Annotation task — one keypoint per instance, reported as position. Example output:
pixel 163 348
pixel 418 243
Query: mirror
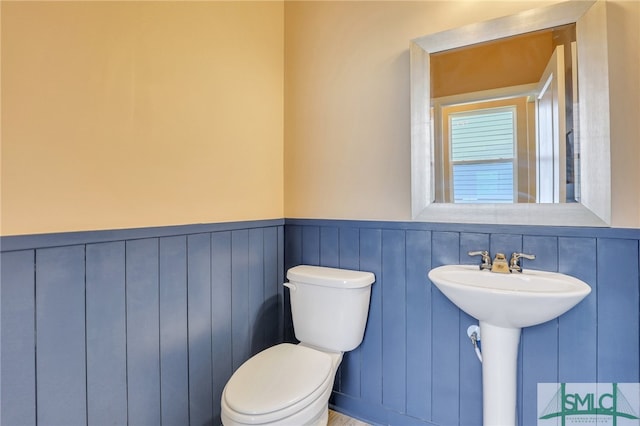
pixel 503 120
pixel 577 188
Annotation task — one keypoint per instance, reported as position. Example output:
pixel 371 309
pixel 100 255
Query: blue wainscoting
pixel 144 327
pixel 416 365
pixel 139 327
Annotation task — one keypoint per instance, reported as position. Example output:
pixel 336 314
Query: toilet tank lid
pixel 330 277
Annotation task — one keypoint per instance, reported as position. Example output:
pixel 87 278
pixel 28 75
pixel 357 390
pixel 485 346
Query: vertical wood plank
pixel 329 247
pixel 293 246
pixel 539 344
pixel 293 257
pixel 281 271
pixel 371 260
pixel 106 334
pixel 348 377
pixel 60 341
pixel 470 367
pixel 143 331
pixel 394 325
pixel 470 376
pixel 544 248
pixel 17 349
pixel 240 321
pixel 255 266
pixel 349 248
pixel 418 373
pixel 618 301
pixel 577 347
pixel 445 249
pixel 199 326
pixel 505 243
pixel 174 359
pixel 471 241
pixel 272 305
pixel 221 294
pixel 311 245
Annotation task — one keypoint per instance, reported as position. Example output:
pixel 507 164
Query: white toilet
pixel 290 384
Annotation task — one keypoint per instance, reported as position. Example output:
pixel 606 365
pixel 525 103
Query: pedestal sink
pixel 504 303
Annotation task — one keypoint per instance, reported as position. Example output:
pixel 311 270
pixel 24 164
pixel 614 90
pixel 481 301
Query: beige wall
pixel 135 114
pixel 125 114
pixel 624 72
pixel 347 118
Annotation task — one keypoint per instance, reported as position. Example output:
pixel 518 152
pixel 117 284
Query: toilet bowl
pixel 291 384
pixel 284 385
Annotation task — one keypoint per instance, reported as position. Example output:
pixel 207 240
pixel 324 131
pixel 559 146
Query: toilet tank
pixel 329 306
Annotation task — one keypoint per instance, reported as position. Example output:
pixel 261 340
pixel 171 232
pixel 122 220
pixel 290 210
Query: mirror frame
pixel 594 208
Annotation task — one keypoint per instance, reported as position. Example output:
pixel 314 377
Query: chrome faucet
pixel 499 263
pixel 486 258
pixel 514 263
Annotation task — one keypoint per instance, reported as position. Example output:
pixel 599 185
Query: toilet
pixel 291 384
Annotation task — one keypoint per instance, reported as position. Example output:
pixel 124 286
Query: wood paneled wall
pixel 138 329
pixel 417 365
pixel 144 327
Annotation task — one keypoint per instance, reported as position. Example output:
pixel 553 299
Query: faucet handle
pixel 486 258
pixel 514 263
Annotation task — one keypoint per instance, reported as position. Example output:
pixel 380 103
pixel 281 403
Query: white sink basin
pixel 512 300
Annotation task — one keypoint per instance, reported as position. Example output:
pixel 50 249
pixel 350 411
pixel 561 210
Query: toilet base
pixel 300 418
pixel 324 418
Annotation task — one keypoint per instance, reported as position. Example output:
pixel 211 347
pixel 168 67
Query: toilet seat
pixel 277 383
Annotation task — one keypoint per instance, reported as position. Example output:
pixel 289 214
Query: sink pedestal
pixel 504 304
pixel 499 374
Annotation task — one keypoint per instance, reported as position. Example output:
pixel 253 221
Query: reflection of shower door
pixel 551 171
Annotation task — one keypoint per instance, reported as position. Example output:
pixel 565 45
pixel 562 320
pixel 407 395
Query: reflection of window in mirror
pixel 535 160
pixel 488 143
pixel 482 150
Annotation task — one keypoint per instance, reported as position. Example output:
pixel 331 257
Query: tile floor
pixel 338 419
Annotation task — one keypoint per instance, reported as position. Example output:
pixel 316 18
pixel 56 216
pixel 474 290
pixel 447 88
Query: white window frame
pixel 495 160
